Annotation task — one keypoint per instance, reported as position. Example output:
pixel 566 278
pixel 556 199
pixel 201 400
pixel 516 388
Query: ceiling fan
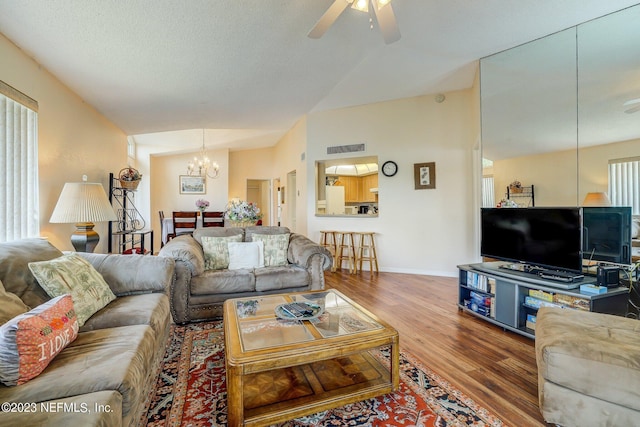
pixel 381 8
pixel 635 108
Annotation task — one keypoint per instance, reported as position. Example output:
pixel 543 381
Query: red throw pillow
pixel 30 341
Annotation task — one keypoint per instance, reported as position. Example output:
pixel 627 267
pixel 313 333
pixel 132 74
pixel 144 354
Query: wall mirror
pixel 553 111
pixel 608 121
pixel 347 186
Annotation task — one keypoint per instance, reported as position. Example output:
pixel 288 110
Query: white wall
pixel 73 139
pixel 418 231
pixel 289 154
pixel 164 179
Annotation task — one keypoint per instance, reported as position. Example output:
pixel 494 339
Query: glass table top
pixel 260 328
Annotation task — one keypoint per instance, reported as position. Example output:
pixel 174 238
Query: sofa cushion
pixel 133 274
pixel 246 255
pixel 16 277
pixel 275 248
pixel 223 282
pixel 72 274
pixel 216 251
pixel 217 232
pixel 117 359
pixel 284 277
pixel 263 229
pixel 10 305
pixel 30 341
pixel 143 309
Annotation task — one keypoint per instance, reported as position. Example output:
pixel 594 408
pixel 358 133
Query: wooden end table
pixel 278 369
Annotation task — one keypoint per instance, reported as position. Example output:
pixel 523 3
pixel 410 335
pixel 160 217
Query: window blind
pixel 19 210
pixel 624 183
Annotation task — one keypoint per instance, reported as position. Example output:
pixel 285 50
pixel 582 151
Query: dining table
pixel 167 228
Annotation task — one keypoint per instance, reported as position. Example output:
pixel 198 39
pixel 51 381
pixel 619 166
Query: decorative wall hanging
pixel 193 184
pixel 424 175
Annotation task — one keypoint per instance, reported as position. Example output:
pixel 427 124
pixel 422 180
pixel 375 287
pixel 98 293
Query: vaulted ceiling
pixel 246 70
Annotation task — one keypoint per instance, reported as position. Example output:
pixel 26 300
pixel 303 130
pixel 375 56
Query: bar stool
pixel 367 241
pixel 329 240
pixel 347 242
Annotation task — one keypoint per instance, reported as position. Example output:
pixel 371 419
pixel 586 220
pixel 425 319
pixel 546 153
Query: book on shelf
pixel 572 302
pixel 537 303
pixel 481 282
pixel 540 294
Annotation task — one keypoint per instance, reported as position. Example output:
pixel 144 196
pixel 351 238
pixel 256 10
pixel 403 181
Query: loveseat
pixel 104 376
pixel 292 263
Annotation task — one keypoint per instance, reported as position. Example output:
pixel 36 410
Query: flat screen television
pixel 541 237
pixel 606 234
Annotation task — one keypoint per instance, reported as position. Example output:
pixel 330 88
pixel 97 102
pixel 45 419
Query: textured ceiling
pixel 246 70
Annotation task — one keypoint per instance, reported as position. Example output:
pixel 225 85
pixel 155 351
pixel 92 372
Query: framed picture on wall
pixel 424 175
pixel 193 184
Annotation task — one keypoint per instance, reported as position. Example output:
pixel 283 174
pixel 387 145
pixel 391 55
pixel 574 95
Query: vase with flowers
pixel 240 213
pixel 202 204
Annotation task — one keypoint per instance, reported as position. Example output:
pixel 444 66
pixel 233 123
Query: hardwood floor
pixel 494 367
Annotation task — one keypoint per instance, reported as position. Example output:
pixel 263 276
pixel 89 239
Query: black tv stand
pixel 545 273
pixel 510 298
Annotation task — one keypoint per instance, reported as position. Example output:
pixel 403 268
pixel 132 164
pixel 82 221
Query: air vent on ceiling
pixel 351 148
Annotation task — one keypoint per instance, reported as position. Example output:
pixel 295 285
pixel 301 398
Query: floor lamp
pixel 83 203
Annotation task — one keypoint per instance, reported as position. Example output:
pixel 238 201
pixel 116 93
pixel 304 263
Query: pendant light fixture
pixel 203 166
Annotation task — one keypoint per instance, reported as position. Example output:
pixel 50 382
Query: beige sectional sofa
pixel 198 293
pixel 104 376
pixel 588 368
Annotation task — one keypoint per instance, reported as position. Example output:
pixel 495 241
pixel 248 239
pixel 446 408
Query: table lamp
pixel 83 203
pixel 596 199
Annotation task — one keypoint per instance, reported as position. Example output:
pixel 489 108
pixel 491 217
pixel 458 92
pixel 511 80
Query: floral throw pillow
pixel 275 248
pixel 72 274
pixel 30 341
pixel 216 251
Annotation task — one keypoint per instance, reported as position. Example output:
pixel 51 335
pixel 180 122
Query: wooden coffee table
pixel 278 370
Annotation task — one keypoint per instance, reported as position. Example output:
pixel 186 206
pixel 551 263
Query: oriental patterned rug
pixel 190 391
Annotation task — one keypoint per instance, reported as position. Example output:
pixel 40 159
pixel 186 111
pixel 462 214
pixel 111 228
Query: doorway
pixel 259 193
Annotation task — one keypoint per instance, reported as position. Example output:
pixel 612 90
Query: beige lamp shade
pixel 596 199
pixel 83 203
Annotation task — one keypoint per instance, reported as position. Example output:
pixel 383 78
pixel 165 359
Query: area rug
pixel 190 391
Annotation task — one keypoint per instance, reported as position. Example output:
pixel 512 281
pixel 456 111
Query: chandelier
pixel 202 166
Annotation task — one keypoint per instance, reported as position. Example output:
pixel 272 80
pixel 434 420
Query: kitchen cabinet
pixel 357 189
pixel 351 186
pixel 367 183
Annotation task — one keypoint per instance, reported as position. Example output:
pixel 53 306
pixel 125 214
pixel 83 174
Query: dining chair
pixel 184 222
pixel 169 235
pixel 212 219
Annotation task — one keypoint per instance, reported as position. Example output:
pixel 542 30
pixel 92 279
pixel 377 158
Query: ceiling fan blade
pixel 329 17
pixel 387 22
pixel 633 109
pixel 631 102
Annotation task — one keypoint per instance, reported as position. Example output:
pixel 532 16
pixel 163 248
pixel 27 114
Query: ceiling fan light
pixel 361 5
